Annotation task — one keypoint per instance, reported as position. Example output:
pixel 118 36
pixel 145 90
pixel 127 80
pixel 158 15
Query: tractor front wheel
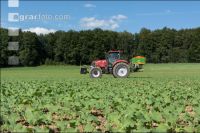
pixel 121 70
pixel 96 72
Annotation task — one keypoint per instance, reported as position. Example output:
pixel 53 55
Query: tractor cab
pixel 112 56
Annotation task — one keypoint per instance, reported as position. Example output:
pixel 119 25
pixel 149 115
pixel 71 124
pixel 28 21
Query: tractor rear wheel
pixel 96 72
pixel 121 70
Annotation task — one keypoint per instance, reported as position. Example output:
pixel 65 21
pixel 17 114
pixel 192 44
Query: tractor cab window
pixel 112 57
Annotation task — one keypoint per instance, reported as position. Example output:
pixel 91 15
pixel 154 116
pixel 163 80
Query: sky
pixel 128 16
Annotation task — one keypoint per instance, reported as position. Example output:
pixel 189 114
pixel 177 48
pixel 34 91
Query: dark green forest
pixel 81 47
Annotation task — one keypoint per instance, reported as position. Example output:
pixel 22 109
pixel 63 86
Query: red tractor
pixel 115 65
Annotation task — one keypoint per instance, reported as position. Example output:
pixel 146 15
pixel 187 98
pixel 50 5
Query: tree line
pixel 82 47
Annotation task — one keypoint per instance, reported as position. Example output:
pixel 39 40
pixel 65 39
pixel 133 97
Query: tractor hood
pixel 101 63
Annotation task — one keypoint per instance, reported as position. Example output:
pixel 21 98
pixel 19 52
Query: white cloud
pixel 111 23
pixel 119 17
pixel 89 5
pixel 162 13
pixel 40 30
pixel 168 11
pixel 93 22
pixel 114 26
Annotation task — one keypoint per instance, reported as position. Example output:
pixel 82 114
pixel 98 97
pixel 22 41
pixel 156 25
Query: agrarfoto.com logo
pixel 15 17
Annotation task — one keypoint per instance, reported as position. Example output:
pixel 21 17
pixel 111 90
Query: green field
pixel 164 97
